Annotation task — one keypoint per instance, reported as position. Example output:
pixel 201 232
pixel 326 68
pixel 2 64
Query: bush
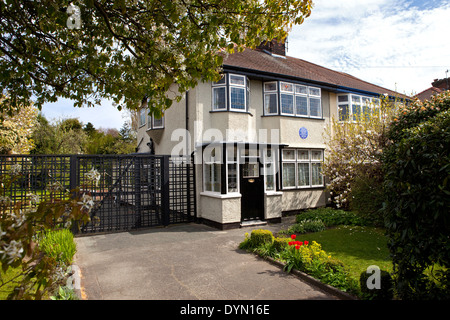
pixel 331 217
pixel 386 291
pixel 59 244
pixel 368 197
pixel 280 244
pixel 260 237
pixel 417 191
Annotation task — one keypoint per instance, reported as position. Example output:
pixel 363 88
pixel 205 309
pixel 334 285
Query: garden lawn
pixel 357 247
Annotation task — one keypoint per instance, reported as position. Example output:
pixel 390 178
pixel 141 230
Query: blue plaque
pixel 303 133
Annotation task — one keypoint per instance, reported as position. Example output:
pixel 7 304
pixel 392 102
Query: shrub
pixel 331 217
pixel 386 291
pixel 417 189
pixel 59 244
pixel 260 236
pixel 280 244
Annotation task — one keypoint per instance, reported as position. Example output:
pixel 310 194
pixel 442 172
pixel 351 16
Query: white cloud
pixel 400 45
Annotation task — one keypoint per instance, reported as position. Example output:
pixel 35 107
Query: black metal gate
pixel 123 192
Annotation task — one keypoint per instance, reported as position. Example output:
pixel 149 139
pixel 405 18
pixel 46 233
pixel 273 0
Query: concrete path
pixel 187 262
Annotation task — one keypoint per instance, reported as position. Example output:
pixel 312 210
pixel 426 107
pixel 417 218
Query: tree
pixel 124 50
pixel 16 129
pixel 352 162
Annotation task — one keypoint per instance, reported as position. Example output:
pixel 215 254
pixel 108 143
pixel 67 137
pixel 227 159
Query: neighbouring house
pixel 437 87
pixel 257 134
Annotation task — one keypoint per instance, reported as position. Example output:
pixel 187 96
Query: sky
pixel 402 45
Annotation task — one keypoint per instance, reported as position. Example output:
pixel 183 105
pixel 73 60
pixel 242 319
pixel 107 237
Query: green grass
pixel 357 247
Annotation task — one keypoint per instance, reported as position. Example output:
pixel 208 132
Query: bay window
pixel 294 99
pixel 302 168
pixel 352 107
pixel 231 93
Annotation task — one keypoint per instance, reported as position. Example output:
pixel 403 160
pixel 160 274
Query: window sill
pixel 234 111
pixel 274 193
pixel 292 116
pixel 303 188
pixel 219 195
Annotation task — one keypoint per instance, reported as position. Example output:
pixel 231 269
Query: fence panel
pixel 127 191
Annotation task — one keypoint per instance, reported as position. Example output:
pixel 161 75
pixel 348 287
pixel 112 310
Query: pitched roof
pixel 428 93
pixel 263 63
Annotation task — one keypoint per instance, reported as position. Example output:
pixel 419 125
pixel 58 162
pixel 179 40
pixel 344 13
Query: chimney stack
pixel 274 47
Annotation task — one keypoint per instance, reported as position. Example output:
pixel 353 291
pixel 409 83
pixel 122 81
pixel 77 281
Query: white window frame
pixel 234 161
pixel 296 161
pixel 143 117
pixel 293 90
pixel 151 123
pixel 221 84
pixel 212 161
pixel 226 84
pixel 268 92
pixel 243 87
pixel 269 160
pixel 361 101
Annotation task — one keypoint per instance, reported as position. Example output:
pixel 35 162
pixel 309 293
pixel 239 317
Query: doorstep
pixel 253 223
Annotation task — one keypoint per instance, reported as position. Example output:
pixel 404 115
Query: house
pixel 437 87
pixel 257 134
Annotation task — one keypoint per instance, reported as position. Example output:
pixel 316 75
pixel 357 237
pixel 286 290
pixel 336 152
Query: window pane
pixel 158 123
pixel 288 174
pixel 142 116
pixel 301 89
pixel 286 87
pixel 270 185
pixel 221 81
pixel 301 105
pixel 270 86
pixel 303 155
pixel 270 103
pixel 356 99
pixel 288 154
pixel 367 112
pixel 237 98
pixel 343 98
pixel 238 80
pixel 303 174
pixel 316 155
pixel 287 103
pixel 365 101
pixel 314 91
pixel 212 177
pixel 343 112
pixel 316 174
pixel 356 110
pixel 219 100
pixel 250 170
pixel 314 107
pixel 232 177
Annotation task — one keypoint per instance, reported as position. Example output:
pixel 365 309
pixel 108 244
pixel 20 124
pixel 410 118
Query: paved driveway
pixel 188 262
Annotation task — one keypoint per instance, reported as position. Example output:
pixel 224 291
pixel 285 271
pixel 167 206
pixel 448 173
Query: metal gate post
pixel 137 191
pixel 165 190
pixel 73 184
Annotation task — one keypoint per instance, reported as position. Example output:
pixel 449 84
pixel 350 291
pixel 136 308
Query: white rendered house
pixel 257 134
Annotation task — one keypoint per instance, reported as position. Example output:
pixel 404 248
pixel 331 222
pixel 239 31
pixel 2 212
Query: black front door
pixel 252 191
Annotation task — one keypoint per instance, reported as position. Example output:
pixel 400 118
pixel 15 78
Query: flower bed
pixel 305 256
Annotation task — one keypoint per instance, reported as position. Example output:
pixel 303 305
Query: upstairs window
pixel 231 93
pixel 352 107
pixel 294 99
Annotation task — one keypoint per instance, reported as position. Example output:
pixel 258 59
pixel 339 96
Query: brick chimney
pixel 274 47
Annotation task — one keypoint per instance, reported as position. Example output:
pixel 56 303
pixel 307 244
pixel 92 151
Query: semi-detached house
pixel 257 134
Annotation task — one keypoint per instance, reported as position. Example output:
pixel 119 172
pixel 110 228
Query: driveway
pixel 186 262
